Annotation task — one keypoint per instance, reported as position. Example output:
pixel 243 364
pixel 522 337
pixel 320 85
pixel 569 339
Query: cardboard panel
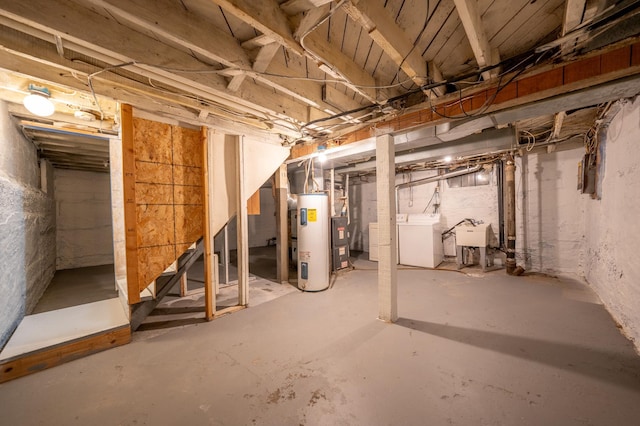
pixel 155 225
pixel 188 223
pixel 153 172
pixel 187 147
pixel 152 141
pixel 186 175
pixel 152 261
pixel 188 194
pixel 153 193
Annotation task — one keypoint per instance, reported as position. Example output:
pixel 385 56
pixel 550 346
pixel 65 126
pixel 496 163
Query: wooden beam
pixel 109 41
pixel 472 23
pixel 129 190
pixel 293 7
pixel 386 33
pixel 17 57
pixel 616 64
pixel 573 13
pixel 282 230
pixel 266 16
pixel 45 358
pixel 436 76
pixel 209 293
pixel 170 21
pixel 242 225
pixel 387 262
pixel 339 65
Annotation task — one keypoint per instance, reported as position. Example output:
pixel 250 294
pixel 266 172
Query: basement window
pixel 482 177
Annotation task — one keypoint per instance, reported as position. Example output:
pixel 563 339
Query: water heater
pixel 313 242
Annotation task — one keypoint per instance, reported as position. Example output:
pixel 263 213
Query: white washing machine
pixel 420 241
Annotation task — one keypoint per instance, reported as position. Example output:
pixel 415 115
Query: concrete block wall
pixel 27 228
pixel 84 234
pixel 612 228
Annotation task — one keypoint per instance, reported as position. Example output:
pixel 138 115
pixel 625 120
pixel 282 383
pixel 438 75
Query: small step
pixel 51 338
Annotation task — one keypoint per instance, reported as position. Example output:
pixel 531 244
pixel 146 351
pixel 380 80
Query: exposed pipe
pixel 510 173
pixel 500 179
pixel 433 179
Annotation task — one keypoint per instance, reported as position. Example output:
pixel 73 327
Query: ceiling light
pixel 447 159
pixel 322 157
pixel 38 102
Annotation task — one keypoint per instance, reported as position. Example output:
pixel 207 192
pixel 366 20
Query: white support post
pixel 387 270
pixel 243 228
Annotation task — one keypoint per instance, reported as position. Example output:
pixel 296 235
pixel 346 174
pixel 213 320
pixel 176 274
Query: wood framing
pixel 129 192
pixel 164 201
pixel 209 293
pixel 242 223
pixel 390 37
pixel 282 230
pixel 535 85
pixel 472 23
pixel 42 359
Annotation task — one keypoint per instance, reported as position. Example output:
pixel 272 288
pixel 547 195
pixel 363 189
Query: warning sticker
pixel 304 256
pixel 341 233
pixel 342 251
pixel 312 215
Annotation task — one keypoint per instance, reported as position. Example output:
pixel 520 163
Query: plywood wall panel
pixel 155 225
pixel 187 194
pixel 187 147
pixel 166 200
pixel 154 193
pixel 152 141
pixel 153 172
pixel 186 175
pixel 188 223
pixel 153 262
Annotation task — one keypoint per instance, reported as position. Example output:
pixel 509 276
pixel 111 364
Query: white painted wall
pixel 84 234
pixel 550 213
pixel 612 228
pixel 479 203
pixel 261 227
pixel 27 228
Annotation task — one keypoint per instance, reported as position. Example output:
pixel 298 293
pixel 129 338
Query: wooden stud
pixel 209 293
pixel 242 226
pixel 184 287
pixel 129 191
pixel 282 230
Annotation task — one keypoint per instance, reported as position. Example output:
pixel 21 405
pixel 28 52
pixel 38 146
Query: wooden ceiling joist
pixel 386 33
pixel 109 39
pixel 265 16
pixel 472 23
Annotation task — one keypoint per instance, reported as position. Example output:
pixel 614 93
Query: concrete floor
pixel 480 349
pixel 72 287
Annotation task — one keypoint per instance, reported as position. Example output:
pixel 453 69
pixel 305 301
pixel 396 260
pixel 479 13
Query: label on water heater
pixel 304 256
pixel 303 217
pixel 312 215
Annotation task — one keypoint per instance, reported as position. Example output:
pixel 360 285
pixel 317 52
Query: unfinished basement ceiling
pixel 287 66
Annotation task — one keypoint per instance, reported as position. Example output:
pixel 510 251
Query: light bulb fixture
pixel 320 153
pixel 38 102
pixel 447 159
